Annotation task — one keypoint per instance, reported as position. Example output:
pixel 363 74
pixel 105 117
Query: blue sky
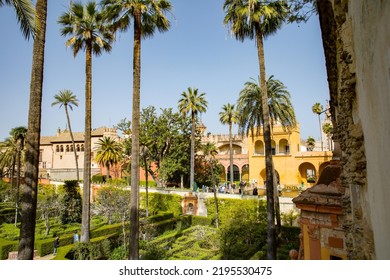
pixel 197 52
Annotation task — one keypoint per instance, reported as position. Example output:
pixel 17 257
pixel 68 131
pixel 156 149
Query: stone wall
pixel 356 42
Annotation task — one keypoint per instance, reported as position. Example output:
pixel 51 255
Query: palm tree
pixel 310 143
pixel 108 153
pixel 18 135
pixel 259 19
pixel 210 151
pixel 318 109
pixel 250 107
pixel 88 30
pixel 8 157
pixel 31 170
pixel 192 103
pixel 251 112
pixel 228 115
pixel 147 16
pixel 67 99
pixel 25 14
pixel 327 128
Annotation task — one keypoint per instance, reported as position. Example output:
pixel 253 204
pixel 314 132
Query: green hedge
pixel 6 247
pixel 160 217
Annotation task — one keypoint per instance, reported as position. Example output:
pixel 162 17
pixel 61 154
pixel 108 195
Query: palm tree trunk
pixel 86 215
pixel 214 187
pixel 134 200
pixel 29 198
pixel 146 187
pixel 231 154
pixel 192 160
pixel 319 122
pixel 108 172
pixel 277 205
pixel 74 145
pixel 17 181
pixel 271 240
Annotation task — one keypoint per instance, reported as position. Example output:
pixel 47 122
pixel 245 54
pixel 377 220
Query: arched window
pixel 259 147
pixel 284 148
pixel 67 148
pixel 71 148
pixel 82 147
pixel 57 148
pixel 78 147
pixel 61 148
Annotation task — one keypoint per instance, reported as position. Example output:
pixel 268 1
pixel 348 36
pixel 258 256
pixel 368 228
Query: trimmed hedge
pixel 6 247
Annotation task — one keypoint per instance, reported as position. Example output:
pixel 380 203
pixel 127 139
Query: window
pixel 40 155
pixel 60 157
pixel 61 148
pixel 57 148
pixel 67 148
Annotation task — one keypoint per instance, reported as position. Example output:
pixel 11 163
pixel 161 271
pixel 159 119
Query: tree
pixel 31 171
pixel 318 109
pixel 229 116
pixel 48 204
pixel 209 152
pixel 108 153
pixel 71 204
pixel 327 128
pixel 18 135
pixel 67 99
pixel 192 103
pixel 251 112
pixel 147 16
pixel 8 158
pixel 88 30
pixel 310 143
pixel 258 19
pixel 25 14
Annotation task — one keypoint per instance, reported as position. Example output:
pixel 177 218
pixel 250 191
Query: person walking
pixel 56 245
pixel 75 237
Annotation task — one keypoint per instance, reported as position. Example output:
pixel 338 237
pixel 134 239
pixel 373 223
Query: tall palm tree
pixel 210 151
pixel 229 116
pixel 18 135
pixel 108 153
pixel 258 19
pixel 25 14
pixel 192 103
pixel 147 17
pixel 88 30
pixel 67 99
pixel 318 109
pixel 251 116
pixel 31 170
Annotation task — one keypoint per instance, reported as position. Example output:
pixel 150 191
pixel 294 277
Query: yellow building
pixel 294 165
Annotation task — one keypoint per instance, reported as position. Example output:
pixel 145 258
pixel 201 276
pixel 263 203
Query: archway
pixel 236 173
pixel 259 147
pixel 263 176
pixel 307 172
pixel 245 173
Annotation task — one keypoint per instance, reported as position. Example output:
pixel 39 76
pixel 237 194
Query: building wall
pixel 356 39
pixel 370 25
pixel 291 166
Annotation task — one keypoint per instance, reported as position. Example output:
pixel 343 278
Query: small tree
pixel 70 209
pixel 48 204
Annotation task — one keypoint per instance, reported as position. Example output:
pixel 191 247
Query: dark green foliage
pixel 244 231
pixel 98 179
pixel 163 203
pixel 71 203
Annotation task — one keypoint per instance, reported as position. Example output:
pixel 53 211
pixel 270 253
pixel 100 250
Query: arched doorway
pixel 263 176
pixel 236 173
pixel 307 171
pixel 245 173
